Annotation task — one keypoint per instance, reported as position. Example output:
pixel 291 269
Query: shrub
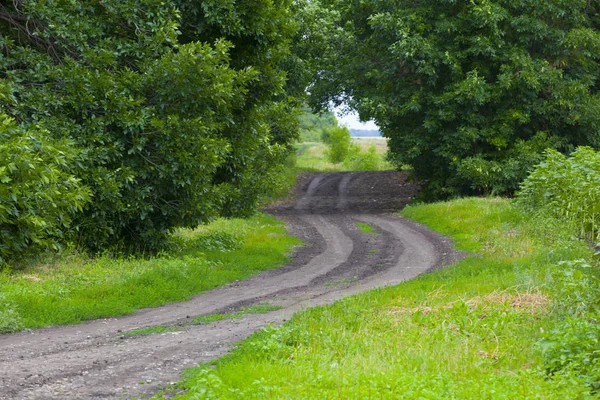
pixel 567 188
pixel 38 194
pixel 338 144
pixel 182 115
pixel 358 160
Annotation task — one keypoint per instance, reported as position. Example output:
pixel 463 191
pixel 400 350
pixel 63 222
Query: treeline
pixel 121 120
pixel 469 94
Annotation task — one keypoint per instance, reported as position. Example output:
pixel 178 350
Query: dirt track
pixel 92 361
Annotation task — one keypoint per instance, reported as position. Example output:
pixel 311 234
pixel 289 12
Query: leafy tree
pixel 469 93
pixel 171 130
pixel 263 130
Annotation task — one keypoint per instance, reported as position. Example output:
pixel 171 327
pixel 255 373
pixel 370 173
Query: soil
pixel 95 361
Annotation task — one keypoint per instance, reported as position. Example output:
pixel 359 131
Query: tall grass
pixel 567 188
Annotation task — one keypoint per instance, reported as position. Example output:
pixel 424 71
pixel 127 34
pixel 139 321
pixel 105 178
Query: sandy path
pixel 92 360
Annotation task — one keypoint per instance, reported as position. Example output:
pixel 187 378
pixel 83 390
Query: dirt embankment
pixel 94 361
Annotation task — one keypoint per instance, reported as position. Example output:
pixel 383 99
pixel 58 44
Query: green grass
pixel 150 330
pixel 366 228
pixel 73 288
pixel 263 308
pixel 312 156
pixel 471 331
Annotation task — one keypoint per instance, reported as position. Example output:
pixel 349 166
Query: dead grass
pixel 530 302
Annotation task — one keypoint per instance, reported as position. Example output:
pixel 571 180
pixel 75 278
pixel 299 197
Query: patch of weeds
pixel 10 320
pixel 150 330
pixel 262 308
pixel 366 228
pixel 341 282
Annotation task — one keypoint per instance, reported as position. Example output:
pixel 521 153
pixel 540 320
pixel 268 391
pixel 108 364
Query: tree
pixel 316 127
pixel 170 130
pixel 468 93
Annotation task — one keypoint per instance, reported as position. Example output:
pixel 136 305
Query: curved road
pixel 92 360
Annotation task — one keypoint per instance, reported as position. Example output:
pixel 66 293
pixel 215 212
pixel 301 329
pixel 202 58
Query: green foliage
pixel 366 228
pixel 38 194
pixel 178 112
pixel 368 160
pixel 567 188
pixel 338 144
pixel 316 127
pixel 468 93
pixel 364 154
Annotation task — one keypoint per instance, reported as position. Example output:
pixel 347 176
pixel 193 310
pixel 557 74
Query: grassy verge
pixel 478 330
pixel 75 288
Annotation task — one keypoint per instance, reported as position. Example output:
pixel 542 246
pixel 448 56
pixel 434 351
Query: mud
pixel 94 361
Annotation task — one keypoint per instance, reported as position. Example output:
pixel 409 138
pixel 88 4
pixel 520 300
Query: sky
pixel 351 121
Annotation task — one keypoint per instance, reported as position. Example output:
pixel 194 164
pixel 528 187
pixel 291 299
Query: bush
pixel 338 144
pixel 567 188
pixel 182 115
pixel 358 160
pixel 38 194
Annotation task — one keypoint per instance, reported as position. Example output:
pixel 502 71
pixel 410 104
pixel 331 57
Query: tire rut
pixel 94 359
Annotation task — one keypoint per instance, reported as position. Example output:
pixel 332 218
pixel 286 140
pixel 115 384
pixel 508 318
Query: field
pixel 311 155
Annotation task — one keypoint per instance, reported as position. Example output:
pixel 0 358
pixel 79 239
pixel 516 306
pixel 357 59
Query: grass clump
pixel 73 288
pixel 150 330
pixel 262 308
pixel 366 228
pixel 484 328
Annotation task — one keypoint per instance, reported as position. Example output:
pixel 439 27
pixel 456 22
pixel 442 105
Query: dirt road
pixel 94 361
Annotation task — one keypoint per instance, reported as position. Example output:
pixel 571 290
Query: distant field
pixel 312 155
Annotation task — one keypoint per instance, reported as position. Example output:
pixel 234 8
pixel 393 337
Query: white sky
pixel 351 121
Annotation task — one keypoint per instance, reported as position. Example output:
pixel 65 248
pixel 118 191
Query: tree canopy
pixel 173 112
pixel 468 93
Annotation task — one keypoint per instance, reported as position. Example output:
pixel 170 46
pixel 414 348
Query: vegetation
pixel 173 113
pixel 508 323
pixel 567 188
pixel 469 93
pixel 366 228
pixel 263 308
pixel 68 289
pixel 316 127
pixel 38 196
pixel 364 155
pixel 338 145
